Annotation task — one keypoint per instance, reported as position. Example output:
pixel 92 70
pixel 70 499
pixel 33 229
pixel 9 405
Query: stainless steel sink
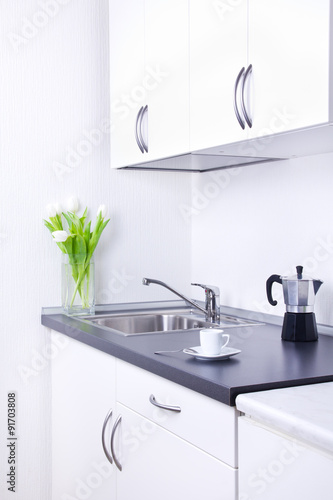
pixel 149 323
pixel 162 321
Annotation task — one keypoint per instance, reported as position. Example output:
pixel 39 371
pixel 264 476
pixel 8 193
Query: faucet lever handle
pixel 212 295
pixel 209 288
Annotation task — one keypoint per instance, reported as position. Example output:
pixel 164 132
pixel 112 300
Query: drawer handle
pixel 165 407
pixel 116 461
pixel 107 454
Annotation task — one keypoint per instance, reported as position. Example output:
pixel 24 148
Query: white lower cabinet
pixel 183 448
pixel 202 421
pixel 120 432
pixel 158 464
pixel 83 392
pixel 275 466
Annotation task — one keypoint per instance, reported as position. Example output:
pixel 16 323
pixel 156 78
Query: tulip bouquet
pixel 78 244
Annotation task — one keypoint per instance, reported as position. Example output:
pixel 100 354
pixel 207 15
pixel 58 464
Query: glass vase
pixel 77 284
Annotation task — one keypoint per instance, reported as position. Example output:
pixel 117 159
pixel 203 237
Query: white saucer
pixel 225 353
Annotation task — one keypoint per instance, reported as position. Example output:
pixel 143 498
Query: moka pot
pixel 299 293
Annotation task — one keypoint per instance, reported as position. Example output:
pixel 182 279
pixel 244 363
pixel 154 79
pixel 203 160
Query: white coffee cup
pixel 212 341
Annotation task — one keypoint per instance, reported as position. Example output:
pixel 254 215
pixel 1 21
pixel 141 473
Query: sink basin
pixel 159 321
pixel 149 323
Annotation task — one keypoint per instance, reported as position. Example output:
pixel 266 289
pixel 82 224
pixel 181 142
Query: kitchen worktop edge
pixel 304 412
pixel 222 381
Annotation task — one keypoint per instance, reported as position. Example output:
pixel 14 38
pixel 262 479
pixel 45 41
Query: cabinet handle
pixel 165 407
pixel 238 116
pixel 246 116
pixel 138 116
pixel 145 146
pixel 107 454
pixel 116 461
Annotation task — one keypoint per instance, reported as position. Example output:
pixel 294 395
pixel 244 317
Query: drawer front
pixel 202 421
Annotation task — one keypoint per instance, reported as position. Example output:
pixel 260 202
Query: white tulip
pixel 103 209
pixel 60 236
pixel 51 210
pixel 58 208
pixel 72 204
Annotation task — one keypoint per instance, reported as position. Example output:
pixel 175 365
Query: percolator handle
pixel 269 283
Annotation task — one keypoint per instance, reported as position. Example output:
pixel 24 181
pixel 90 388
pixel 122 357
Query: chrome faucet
pixel 212 302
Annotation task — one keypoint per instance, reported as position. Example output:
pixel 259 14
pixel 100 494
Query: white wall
pixel 251 222
pixel 53 93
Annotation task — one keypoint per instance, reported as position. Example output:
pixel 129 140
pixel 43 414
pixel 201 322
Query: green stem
pixel 87 285
pixel 80 286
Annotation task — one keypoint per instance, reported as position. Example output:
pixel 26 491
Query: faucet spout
pixel 212 307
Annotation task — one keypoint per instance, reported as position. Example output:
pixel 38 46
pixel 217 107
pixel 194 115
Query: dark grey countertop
pixel 265 362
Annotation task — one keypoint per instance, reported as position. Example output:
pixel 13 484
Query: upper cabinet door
pixel 289 51
pixel 167 73
pixel 149 70
pixel 128 91
pixel 218 53
pixel 280 52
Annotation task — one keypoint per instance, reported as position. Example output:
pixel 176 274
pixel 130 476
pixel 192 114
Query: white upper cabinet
pixel 218 52
pixel 214 75
pixel 149 68
pixel 288 43
pixel 167 58
pixel 128 90
pixel 258 64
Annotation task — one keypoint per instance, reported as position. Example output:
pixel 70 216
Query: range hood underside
pixel 196 162
pixel 302 142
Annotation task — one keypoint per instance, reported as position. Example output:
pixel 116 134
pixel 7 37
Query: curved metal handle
pixel 238 116
pixel 145 146
pixel 164 407
pixel 107 454
pixel 138 116
pixel 246 116
pixel 116 461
